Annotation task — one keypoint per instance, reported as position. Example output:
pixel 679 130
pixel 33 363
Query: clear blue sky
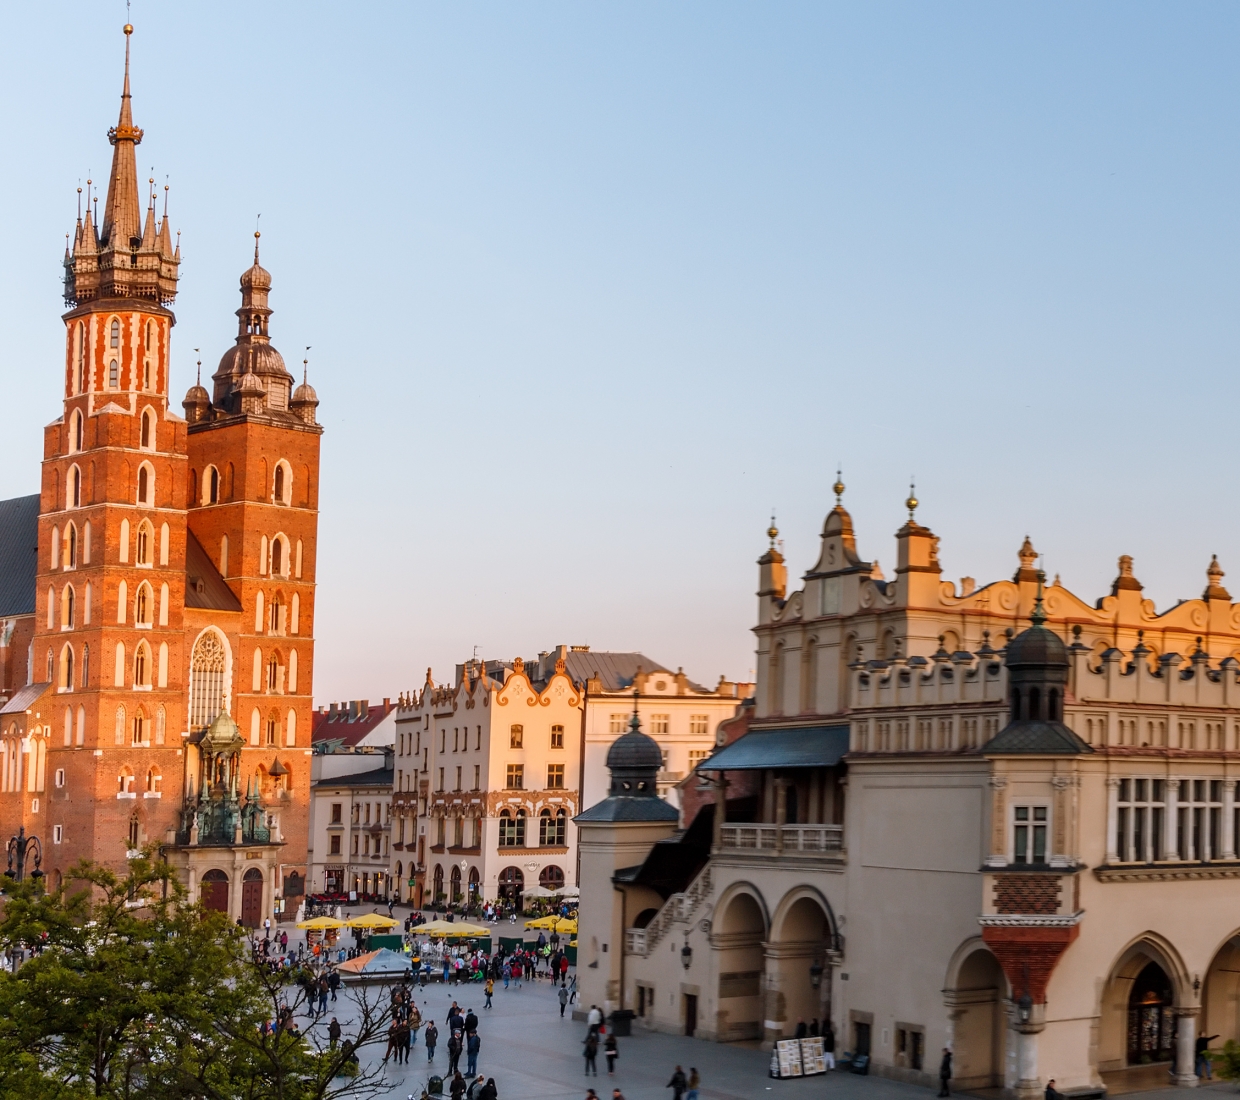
pixel 590 288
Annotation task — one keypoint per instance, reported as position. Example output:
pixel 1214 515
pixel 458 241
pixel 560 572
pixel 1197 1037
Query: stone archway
pixel 797 968
pixel 737 935
pixel 1220 994
pixel 1149 990
pixel 976 999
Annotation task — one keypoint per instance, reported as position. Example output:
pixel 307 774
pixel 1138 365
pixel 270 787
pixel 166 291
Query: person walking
pixel 563 995
pixel 333 1032
pixel 1201 1060
pixel 457 1088
pixel 471 1021
pixel 333 982
pixel 490 990
pixel 475 1088
pixel 677 1084
pixel 473 1044
pixel 612 1051
pixel 455 1046
pixel 489 1091
pixel 591 1052
pixel 828 1045
pixel 594 1020
pixel 945 1073
pixel 432 1037
pixel 323 991
pixel 393 1042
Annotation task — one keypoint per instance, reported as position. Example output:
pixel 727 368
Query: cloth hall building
pixel 161 642
pixel 999 819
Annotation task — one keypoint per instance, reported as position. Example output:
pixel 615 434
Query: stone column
pixel 1028 1084
pixel 1229 820
pixel 1112 819
pixel 781 811
pixel 1185 1055
pixel 1171 817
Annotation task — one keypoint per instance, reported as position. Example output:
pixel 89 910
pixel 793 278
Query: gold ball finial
pixel 772 532
pixel 912 502
pixel 838 487
pixel 129 28
pixel 257 234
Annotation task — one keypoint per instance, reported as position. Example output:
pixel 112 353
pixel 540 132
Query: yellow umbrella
pixel 567 924
pixel 542 922
pixel 321 923
pixel 373 920
pixel 572 943
pixel 443 928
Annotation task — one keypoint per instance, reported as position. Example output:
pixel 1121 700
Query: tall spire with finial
pixel 772 532
pixel 912 502
pixel 1038 617
pixel 122 212
pixel 838 487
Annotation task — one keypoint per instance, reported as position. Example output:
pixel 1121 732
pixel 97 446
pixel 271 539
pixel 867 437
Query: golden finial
pixel 772 532
pixel 129 28
pixel 912 502
pixel 838 488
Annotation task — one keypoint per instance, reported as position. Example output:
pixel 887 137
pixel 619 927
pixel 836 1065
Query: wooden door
pixel 252 899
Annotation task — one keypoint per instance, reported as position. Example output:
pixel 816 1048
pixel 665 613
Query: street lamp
pixel 815 974
pixel 1024 1007
pixel 18 848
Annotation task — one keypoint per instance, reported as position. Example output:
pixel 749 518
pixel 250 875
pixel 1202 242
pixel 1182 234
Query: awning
pixel 798 747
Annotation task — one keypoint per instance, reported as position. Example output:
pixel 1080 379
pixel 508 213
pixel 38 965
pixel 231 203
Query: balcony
pixel 822 841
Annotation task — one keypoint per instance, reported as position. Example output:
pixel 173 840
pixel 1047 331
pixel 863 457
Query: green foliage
pixel 134 994
pixel 1227 1061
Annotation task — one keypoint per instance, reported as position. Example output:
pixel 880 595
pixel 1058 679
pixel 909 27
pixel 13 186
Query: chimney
pixel 332 712
pixel 387 703
pixel 363 709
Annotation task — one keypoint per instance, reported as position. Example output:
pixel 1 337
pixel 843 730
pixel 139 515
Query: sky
pixel 592 289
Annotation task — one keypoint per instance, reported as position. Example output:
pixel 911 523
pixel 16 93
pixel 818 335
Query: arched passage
pixel 797 965
pixel 1220 994
pixel 1137 1020
pixel 975 998
pixel 737 934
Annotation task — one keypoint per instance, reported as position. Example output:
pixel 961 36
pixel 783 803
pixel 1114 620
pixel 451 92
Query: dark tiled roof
pixel 204 587
pixel 19 554
pixel 1035 738
pixel 340 727
pixel 24 698
pixel 377 777
pixel 615 670
pixel 629 808
pixel 800 747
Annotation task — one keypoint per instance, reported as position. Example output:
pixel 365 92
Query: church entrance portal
pixel 1151 1021
pixel 214 891
pixel 252 898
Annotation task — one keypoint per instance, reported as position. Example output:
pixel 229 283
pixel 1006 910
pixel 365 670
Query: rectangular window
pixel 456 738
pixel 441 779
pixel 477 776
pixel 58 833
pixel 516 735
pixel 515 779
pixel 555 777
pixel 619 723
pixel 60 777
pixel 696 756
pixel 458 832
pixel 458 778
pixel 699 724
pixel 334 846
pixel 557 737
pixel 659 723
pixel 478 739
pixel 337 809
pixel 355 845
pixel 1029 834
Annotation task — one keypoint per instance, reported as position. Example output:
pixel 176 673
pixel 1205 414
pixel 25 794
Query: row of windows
pixel 148 431
pixel 144 488
pixel 1157 819
pixel 217 486
pixel 278 676
pixel 661 724
pixel 277 617
pixel 1188 733
pixel 152 785
pixel 278 557
pixel 113 355
pixel 67 548
pixel 514 778
pixel 552 829
pixel 19 768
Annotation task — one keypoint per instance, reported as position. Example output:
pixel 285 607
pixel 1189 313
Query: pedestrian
pixel 1053 1093
pixel 828 1045
pixel 457 1088
pixel 610 1049
pixel 563 995
pixel 594 1020
pixel 1202 1060
pixel 475 1088
pixel 591 1094
pixel 677 1084
pixel 323 990
pixel 945 1073
pixel 507 974
pixel 802 1032
pixel 616 1094
pixel 432 1037
pixel 455 1046
pixel 695 1082
pixel 472 1045
pixel 333 1032
pixel 333 981
pixel 406 1041
pixel 490 990
pixel 393 1041
pixel 488 1091
pixel 471 1022
pixel 591 1052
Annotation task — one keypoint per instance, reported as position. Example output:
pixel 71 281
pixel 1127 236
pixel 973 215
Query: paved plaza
pixel 533 1054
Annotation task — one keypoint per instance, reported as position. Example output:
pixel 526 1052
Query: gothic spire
pixel 122 220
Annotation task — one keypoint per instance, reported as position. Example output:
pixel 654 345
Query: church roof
pixel 798 747
pixel 24 698
pixel 1031 736
pixel 629 808
pixel 616 670
pixel 204 587
pixel 19 554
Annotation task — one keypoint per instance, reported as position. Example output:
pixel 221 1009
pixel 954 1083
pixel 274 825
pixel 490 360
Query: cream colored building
pixel 350 821
pixel 950 825
pixel 486 782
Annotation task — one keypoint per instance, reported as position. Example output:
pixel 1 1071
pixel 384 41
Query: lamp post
pixel 19 846
pixel 815 974
pixel 1024 1007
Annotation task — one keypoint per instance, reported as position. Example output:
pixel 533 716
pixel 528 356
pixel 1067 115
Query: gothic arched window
pixel 115 339
pixel 206 679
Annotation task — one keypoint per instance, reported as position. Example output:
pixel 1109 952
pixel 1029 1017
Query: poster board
pixel 813 1058
pixel 789 1051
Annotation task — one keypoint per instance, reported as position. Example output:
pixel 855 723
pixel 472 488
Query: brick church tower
pixel 175 582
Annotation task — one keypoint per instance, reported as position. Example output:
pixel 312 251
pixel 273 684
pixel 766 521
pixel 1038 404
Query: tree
pixel 132 993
